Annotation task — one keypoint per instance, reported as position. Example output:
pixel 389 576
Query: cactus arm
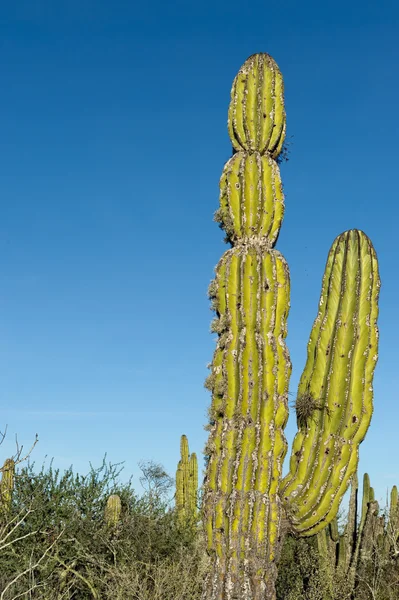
pixel 342 354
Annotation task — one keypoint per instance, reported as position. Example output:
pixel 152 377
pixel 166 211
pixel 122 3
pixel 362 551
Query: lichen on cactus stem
pixel 245 503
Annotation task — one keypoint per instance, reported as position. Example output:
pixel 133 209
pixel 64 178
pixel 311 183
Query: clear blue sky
pixel 113 138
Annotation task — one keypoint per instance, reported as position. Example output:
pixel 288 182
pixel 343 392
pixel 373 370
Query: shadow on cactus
pixel 247 505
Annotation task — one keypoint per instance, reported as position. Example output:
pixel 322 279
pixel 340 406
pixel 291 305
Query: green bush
pixel 56 542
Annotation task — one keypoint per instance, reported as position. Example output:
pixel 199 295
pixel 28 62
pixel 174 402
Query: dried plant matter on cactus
pixel 246 503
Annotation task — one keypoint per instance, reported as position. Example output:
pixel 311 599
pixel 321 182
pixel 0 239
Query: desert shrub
pixel 298 572
pixel 58 545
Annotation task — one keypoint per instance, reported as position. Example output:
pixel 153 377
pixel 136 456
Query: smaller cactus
pixel 345 555
pixel 113 510
pixel 186 483
pixel 7 484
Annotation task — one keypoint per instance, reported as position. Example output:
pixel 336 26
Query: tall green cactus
pixel 246 502
pixel 7 484
pixel 186 483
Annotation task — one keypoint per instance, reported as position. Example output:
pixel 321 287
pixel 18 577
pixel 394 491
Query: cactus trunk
pixel 251 366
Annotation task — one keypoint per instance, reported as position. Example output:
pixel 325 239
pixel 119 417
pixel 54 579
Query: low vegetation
pixel 58 540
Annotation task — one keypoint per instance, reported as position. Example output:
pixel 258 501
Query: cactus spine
pixel 7 484
pixel 113 510
pixel 245 500
pixel 186 483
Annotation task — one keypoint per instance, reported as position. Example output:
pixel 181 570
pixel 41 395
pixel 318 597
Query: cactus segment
pixel 113 510
pixel 256 119
pixel 186 483
pixel 342 354
pixel 251 197
pixel 246 448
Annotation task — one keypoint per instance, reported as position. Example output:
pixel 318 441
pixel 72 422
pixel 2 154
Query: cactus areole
pixel 247 505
